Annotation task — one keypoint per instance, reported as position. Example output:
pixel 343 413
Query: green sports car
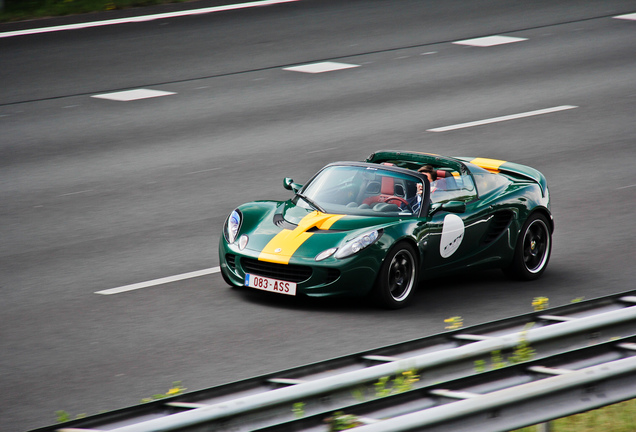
pixel 383 226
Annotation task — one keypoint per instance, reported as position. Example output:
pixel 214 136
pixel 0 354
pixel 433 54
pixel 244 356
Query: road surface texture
pixel 98 191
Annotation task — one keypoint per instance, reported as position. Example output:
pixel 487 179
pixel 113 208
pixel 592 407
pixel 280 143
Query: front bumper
pixel 352 276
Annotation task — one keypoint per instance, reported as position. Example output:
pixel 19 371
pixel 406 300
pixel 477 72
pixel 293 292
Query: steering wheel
pixel 401 202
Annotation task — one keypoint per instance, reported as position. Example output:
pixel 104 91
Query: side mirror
pixel 449 206
pixel 288 183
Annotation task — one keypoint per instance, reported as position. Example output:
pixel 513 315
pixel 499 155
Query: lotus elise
pixel 383 226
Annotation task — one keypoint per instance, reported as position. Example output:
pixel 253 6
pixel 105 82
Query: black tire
pixel 397 279
pixel 533 249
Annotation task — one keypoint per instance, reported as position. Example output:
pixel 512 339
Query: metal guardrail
pixel 501 400
pixel 327 386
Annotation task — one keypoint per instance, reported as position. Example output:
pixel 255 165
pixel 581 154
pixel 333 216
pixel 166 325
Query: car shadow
pixel 431 294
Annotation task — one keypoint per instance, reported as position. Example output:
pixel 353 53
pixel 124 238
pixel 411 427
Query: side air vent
pixel 231 261
pixel 280 222
pixel 499 223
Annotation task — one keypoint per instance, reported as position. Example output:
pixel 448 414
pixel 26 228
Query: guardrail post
pixel 544 427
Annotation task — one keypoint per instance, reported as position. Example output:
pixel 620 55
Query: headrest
pixel 387 186
pixel 442 174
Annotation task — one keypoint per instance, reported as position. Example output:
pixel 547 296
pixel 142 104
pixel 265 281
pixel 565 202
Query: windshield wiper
pixel 311 202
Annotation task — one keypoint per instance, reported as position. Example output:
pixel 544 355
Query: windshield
pixel 364 191
pixel 451 185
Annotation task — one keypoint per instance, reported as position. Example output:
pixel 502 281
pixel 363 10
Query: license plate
pixel 271 285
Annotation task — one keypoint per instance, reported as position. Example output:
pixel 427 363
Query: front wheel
pixel 397 278
pixel 533 249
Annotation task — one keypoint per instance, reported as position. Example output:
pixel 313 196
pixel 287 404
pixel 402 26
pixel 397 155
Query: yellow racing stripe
pixel 488 164
pixel 284 244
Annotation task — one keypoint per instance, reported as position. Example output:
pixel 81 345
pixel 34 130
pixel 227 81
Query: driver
pixel 431 173
pixel 416 201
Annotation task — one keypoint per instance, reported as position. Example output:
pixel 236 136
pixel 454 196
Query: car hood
pixel 286 230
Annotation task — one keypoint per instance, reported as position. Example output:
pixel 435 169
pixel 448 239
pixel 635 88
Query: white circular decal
pixel 452 235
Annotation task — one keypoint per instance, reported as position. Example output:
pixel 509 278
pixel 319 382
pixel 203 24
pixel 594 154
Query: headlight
pixel 243 241
pixel 232 226
pixel 359 243
pixel 325 254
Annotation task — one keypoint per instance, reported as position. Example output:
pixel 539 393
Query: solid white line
pixel 501 119
pixel 161 281
pixel 626 187
pixel 144 18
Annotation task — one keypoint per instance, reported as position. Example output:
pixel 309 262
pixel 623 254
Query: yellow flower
pixel 175 390
pixel 540 303
pixel 454 322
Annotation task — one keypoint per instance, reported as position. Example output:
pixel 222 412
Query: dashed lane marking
pixel 144 18
pixel 489 41
pixel 161 281
pixel 321 67
pixel 502 119
pixel 323 150
pixel 132 95
pixel 203 171
pixel 76 193
pixel 631 17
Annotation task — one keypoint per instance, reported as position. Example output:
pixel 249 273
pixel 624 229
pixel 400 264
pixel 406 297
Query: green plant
pixel 380 387
pixel 480 366
pixel 358 393
pixel 497 359
pixel 341 421
pixel 62 416
pixel 176 389
pixel 402 382
pixel 299 409
pixel 619 417
pixel 15 10
pixel 523 352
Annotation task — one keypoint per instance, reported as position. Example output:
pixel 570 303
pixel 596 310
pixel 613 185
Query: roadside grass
pixel 620 417
pixel 19 10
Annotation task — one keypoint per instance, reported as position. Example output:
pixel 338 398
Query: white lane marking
pixel 489 41
pixel 321 67
pixel 202 171
pixel 323 150
pixel 631 17
pixel 76 193
pixel 144 18
pixel 626 187
pixel 132 95
pixel 502 119
pixel 161 281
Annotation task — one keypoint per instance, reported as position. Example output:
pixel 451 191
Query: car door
pixel 456 227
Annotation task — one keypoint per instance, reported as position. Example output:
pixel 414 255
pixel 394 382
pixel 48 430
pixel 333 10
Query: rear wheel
pixel 533 249
pixel 397 279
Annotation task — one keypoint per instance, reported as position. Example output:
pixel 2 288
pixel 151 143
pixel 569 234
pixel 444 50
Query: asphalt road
pixel 97 194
